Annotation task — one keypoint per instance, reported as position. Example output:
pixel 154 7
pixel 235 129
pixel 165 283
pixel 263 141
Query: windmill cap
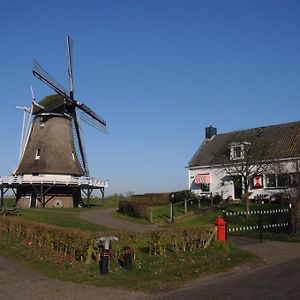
pixel 51 103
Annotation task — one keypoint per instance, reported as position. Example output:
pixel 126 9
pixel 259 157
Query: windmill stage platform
pixel 50 190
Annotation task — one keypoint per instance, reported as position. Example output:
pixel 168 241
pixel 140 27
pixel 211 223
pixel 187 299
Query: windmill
pixel 52 148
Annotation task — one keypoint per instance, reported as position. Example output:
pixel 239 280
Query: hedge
pixel 81 245
pixel 133 208
pixel 137 205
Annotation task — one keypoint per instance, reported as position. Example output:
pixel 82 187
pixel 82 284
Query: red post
pixel 221 228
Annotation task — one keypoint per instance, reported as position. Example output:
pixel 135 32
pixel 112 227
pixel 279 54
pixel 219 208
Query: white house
pixel 269 157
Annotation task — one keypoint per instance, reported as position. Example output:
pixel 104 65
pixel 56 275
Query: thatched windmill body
pixel 53 169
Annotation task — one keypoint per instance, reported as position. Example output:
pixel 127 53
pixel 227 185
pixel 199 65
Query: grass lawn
pixel 161 214
pixel 209 217
pixel 67 217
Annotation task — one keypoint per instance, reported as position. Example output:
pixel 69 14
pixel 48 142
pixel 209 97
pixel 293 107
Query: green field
pixel 66 217
pixel 61 217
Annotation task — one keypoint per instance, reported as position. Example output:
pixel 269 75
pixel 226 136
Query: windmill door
pixel 33 200
pixel 238 187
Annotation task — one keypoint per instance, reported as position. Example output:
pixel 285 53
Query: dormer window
pixel 238 150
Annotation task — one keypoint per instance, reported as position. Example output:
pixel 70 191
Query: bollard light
pixel 105 254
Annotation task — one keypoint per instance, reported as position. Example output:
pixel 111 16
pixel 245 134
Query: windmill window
pixel 73 156
pixel 38 154
pixel 42 124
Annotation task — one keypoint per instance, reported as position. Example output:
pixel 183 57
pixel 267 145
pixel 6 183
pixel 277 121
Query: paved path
pixel 273 252
pixel 103 217
pixel 275 281
pixel 278 279
pixel 18 282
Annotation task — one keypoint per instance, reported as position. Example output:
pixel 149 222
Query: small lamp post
pixel 172 200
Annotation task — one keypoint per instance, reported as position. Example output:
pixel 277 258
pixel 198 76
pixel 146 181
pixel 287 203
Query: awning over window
pixel 202 178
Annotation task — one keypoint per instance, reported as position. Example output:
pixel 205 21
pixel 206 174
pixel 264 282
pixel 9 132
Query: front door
pixel 238 187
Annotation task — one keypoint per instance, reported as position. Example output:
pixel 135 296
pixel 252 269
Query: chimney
pixel 210 132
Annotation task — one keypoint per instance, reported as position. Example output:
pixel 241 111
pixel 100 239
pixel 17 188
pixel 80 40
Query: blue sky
pixel 158 72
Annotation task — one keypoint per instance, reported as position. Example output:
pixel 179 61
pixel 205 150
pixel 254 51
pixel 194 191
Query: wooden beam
pixel 2 194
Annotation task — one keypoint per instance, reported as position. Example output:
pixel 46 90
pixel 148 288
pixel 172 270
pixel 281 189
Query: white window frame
pixel 234 146
pixel 37 154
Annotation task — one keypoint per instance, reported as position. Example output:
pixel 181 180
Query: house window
pixel 295 179
pixel 271 180
pixel 204 187
pixel 282 180
pixel 278 180
pixel 37 154
pixel 202 182
pixel 238 150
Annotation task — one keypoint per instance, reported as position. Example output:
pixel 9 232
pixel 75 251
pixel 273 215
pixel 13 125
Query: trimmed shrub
pixel 183 195
pixel 133 208
pixel 137 205
pixel 81 245
pixel 151 198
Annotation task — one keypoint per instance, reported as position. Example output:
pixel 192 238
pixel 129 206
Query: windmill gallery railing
pixel 53 180
pixel 258 223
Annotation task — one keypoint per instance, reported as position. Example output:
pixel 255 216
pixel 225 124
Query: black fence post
pixel 2 194
pixel 260 226
pixel 127 259
pixel 290 219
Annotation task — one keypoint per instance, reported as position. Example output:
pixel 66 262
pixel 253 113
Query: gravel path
pixel 18 282
pixel 103 217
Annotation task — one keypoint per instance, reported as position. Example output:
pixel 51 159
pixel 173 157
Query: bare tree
pixel 247 163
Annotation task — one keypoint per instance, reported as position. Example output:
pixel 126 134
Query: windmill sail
pixel 70 65
pixel 92 114
pixel 44 76
pixel 87 119
pixel 78 145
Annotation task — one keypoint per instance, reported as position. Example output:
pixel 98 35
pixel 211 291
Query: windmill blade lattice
pixel 87 119
pixel 78 146
pixel 44 76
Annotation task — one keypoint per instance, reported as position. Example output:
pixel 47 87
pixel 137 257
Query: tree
pixel 247 162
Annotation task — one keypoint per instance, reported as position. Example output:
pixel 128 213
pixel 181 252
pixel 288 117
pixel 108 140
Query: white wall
pixel 221 183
